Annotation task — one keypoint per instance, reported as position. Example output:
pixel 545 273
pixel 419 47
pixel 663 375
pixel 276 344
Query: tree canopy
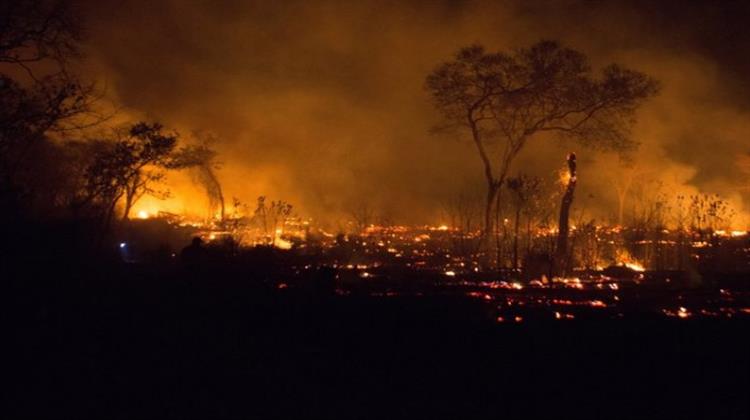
pixel 503 99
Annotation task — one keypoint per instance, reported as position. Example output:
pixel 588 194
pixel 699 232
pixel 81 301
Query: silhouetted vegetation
pixel 505 99
pixel 517 300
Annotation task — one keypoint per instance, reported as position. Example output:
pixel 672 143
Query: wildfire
pixel 624 259
pixel 634 266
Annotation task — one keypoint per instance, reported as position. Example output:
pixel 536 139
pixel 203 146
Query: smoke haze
pixel 322 103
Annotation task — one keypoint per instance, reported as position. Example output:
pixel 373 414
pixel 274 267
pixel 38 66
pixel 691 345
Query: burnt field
pixel 123 341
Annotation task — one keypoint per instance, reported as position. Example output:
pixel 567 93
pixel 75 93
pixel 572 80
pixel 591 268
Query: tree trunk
pixel 128 206
pixel 561 252
pixel 131 195
pixel 491 194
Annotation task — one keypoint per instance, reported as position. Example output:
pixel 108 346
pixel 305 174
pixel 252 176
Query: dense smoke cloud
pixel 322 103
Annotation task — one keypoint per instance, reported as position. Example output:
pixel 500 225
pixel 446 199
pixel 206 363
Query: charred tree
pixel 561 251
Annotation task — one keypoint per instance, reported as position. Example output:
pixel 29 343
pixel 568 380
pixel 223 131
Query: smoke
pixel 322 103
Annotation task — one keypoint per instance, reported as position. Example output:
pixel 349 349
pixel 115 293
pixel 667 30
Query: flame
pixel 635 266
pixel 564 177
pixel 143 214
pixel 624 259
pixel 282 244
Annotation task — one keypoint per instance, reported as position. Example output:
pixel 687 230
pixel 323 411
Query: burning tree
pixel 504 99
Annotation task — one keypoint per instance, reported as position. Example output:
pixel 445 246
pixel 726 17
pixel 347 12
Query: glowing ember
pixel 681 313
pixel 536 283
pixel 561 315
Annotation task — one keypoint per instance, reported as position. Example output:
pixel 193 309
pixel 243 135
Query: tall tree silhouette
pixel 39 97
pixel 505 99
pixel 561 251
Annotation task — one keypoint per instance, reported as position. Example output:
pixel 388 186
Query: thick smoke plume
pixel 322 103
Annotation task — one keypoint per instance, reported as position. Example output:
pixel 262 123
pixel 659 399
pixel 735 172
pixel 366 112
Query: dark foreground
pixel 114 345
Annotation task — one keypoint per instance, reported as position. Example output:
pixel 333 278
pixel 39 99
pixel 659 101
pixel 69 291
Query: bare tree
pixel 623 180
pixel 505 99
pixel 363 215
pixel 524 190
pixel 201 159
pixel 464 213
pixel 39 98
pixel 270 217
pixel 40 38
pixel 36 31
